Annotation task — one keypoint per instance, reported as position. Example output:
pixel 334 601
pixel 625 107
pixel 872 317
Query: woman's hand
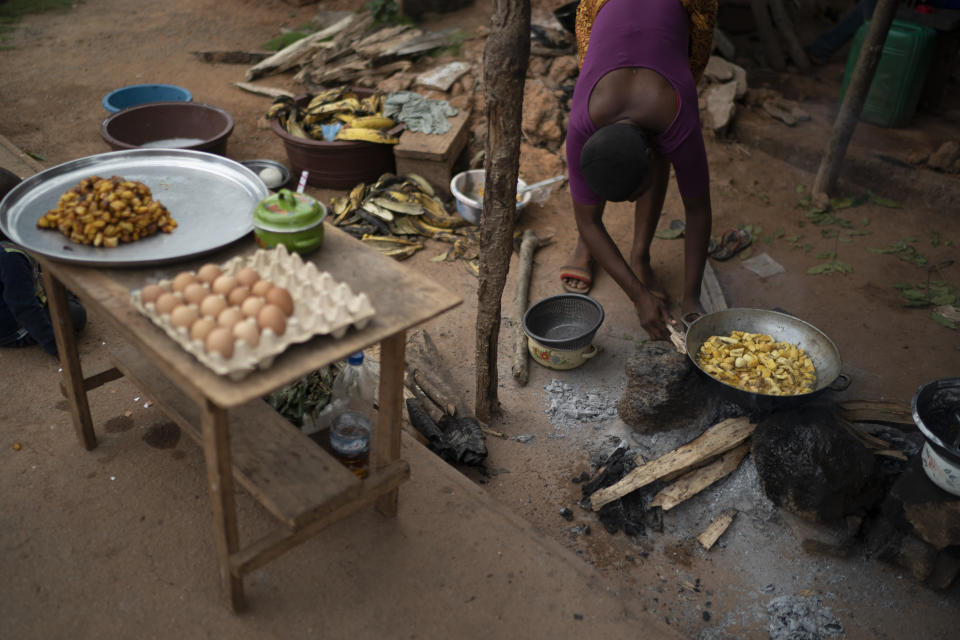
pixel 653 315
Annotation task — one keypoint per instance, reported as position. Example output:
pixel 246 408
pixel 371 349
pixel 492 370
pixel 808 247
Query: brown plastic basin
pixel 338 164
pixel 177 122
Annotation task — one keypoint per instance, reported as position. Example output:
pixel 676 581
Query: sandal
pixel 575 273
pixel 733 242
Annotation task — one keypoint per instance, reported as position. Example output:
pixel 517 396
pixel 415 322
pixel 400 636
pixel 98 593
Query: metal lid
pixel 288 211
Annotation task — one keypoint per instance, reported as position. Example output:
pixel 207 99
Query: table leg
pixel 69 359
pixel 216 452
pixel 386 439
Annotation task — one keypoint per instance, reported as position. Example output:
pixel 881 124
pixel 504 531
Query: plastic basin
pixel 137 94
pixel 171 125
pixel 467 185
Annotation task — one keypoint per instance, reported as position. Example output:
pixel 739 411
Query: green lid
pixel 287 211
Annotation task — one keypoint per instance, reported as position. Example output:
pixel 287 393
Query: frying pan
pixel 784 328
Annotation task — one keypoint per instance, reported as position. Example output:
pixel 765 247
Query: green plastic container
pixel 294 220
pixel 901 72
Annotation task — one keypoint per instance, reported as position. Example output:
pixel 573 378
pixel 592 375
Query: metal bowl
pixel 466 186
pixel 260 164
pixel 936 410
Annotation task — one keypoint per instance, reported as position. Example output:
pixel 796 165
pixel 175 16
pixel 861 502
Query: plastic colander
pixel 565 321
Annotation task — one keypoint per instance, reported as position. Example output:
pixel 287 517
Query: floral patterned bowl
pixel 560 359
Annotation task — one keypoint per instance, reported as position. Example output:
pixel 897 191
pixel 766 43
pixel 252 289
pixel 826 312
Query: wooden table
pixel 243 438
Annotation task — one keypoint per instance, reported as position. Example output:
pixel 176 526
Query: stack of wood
pixel 435 409
pixel 352 50
pixel 691 469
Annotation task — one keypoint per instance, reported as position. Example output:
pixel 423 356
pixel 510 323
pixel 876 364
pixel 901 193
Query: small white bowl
pixel 465 186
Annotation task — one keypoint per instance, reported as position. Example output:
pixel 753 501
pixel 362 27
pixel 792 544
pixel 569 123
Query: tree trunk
pixel 505 60
pixel 853 100
pixel 768 36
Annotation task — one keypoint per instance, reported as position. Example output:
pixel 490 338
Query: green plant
pixel 386 12
pixel 11 11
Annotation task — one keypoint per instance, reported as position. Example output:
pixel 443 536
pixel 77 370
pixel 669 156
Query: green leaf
pixel 942 299
pixel 943 320
pixel 800 188
pixel 792 238
pixel 934 239
pixel 36 156
pixel 669 234
pixel 820 268
pixel 883 202
pixel 767 239
pixel 829 233
pixel 808 247
pixel 746 253
pixel 865 221
pixel 826 255
pixel 779 232
pixel 842 203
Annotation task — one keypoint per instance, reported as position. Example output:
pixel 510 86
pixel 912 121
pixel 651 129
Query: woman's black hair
pixel 614 161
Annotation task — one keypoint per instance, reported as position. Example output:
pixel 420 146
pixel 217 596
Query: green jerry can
pixel 901 72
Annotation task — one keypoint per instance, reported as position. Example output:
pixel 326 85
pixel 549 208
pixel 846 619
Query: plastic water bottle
pixel 352 414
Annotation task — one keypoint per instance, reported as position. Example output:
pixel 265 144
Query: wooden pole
pixel 505 61
pixel 785 25
pixel 856 95
pixel 521 298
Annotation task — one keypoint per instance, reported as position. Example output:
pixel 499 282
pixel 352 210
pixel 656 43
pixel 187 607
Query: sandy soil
pixel 61 64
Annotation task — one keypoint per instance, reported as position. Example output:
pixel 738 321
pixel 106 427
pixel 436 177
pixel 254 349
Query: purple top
pixel 655 36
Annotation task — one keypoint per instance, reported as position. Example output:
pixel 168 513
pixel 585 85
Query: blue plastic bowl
pixel 138 94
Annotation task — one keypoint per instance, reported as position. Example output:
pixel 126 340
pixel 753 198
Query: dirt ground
pixel 61 64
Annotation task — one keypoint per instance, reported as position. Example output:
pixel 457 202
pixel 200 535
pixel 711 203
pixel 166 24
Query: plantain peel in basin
pixel 757 363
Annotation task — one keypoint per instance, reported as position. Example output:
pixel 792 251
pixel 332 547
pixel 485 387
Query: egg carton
pixel 322 306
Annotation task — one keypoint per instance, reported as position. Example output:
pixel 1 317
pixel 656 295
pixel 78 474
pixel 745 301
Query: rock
pixel 740 77
pixel 538 67
pixel 786 111
pixel 718 70
pixel 917 557
pixel 810 465
pixel 464 101
pixel 541 115
pixel 917 157
pixel 539 164
pixel 720 107
pixel 945 569
pixel 944 157
pixel 930 512
pixel 562 68
pixel 664 392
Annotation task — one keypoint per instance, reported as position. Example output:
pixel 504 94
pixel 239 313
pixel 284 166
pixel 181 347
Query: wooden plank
pixel 402 298
pixel 716 529
pixel 95 380
pixel 285 470
pixel 697 480
pixel 432 146
pixel 270 92
pixel 876 411
pixel 718 439
pixel 216 453
pixel 385 443
pixel 376 485
pixel 69 360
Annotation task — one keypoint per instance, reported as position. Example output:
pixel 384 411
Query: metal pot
pixel 783 327
pixel 936 412
pixel 560 359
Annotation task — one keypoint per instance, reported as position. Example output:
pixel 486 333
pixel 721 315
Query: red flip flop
pixel 575 273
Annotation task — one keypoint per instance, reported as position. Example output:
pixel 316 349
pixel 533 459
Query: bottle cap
pixel 356 358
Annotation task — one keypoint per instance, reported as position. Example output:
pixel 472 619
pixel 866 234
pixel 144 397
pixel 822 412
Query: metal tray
pixel 211 197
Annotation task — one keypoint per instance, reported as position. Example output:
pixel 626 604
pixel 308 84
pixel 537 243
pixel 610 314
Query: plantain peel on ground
pixel 757 363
